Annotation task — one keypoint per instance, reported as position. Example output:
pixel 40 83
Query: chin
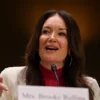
pixel 54 60
pixel 51 59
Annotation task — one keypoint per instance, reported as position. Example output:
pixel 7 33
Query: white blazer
pixel 14 76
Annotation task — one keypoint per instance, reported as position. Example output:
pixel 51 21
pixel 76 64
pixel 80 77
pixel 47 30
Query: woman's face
pixel 53 43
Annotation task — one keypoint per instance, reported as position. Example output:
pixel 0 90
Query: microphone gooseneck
pixel 54 69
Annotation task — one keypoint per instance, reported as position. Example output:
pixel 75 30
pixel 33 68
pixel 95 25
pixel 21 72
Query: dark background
pixel 17 20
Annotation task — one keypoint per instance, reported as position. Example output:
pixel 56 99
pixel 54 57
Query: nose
pixel 52 37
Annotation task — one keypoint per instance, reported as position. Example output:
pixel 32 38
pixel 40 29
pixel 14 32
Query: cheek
pixel 41 41
pixel 64 46
pixel 40 46
pixel 64 43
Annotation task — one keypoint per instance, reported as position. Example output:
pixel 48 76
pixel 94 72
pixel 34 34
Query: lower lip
pixel 51 51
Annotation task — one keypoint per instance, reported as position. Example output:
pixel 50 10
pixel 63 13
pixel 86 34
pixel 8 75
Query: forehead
pixel 55 21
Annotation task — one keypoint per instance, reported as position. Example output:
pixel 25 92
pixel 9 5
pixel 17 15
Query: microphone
pixel 54 69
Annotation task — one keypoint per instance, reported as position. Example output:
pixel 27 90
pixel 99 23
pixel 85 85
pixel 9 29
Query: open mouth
pixel 51 48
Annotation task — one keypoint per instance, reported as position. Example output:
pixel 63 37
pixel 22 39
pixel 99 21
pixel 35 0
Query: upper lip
pixel 51 46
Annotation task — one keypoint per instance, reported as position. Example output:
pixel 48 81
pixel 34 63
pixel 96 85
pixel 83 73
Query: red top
pixel 49 78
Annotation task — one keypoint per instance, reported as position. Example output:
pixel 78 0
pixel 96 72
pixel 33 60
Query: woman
pixel 57 41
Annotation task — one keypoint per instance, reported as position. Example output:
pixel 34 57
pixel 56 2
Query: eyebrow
pixel 59 28
pixel 62 29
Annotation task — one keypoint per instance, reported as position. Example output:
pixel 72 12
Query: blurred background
pixel 18 18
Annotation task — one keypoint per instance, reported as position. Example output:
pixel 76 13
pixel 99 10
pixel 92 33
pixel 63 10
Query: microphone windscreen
pixel 53 67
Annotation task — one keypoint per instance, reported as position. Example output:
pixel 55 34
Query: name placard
pixel 51 93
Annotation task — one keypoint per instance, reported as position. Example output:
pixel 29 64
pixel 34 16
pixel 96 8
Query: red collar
pixel 49 78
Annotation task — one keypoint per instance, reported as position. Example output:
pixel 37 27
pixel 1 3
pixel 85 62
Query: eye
pixel 62 34
pixel 45 32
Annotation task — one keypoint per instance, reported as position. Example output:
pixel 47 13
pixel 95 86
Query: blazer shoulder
pixel 11 71
pixel 92 82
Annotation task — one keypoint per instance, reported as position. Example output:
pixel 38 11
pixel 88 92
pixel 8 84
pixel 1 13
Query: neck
pixel 48 65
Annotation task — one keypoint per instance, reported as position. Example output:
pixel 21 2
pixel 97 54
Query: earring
pixel 70 60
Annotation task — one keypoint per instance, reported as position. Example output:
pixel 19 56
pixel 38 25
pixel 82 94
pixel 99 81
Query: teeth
pixel 51 48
